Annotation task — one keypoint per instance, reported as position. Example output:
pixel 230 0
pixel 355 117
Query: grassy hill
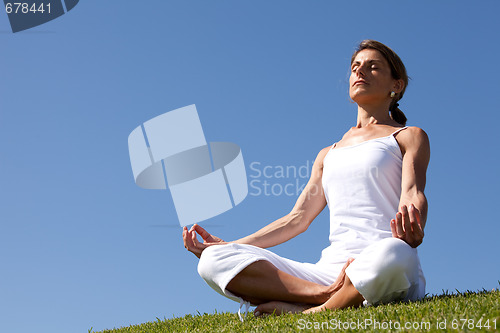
pixel 461 312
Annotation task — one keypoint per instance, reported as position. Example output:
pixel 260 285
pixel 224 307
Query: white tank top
pixel 362 185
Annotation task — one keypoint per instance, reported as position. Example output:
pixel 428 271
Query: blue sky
pixel 82 246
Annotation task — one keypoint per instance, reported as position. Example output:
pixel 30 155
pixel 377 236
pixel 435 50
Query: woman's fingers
pixel 203 233
pixel 399 226
pixel 190 242
pixel 339 282
pixel 418 232
pixel 348 262
pixel 409 221
pixel 196 243
pixel 393 228
pixel 407 226
pixel 418 222
pixel 184 236
pixel 406 219
pixel 207 237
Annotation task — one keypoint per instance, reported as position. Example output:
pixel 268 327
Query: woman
pixel 373 181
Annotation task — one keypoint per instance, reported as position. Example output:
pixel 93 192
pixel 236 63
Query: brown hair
pixel 398 71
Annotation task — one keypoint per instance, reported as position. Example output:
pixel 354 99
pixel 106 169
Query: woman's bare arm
pixel 309 204
pixel 410 221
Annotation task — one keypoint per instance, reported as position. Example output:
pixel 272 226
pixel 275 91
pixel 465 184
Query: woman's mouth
pixel 360 82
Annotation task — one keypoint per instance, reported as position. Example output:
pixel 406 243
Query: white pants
pixel 385 271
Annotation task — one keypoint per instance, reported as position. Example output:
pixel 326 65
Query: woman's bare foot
pixel 314 309
pixel 278 308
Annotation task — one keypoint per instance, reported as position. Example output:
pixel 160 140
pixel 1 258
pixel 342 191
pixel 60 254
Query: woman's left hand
pixel 407 226
pixel 191 242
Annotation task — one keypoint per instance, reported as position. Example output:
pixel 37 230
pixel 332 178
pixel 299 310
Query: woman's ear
pixel 398 86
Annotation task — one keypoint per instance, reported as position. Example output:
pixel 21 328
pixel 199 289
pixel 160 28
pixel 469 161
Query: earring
pixel 393 94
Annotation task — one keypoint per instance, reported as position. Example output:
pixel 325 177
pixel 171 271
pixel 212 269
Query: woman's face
pixel 371 80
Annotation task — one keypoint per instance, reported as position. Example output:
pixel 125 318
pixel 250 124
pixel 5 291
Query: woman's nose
pixel 360 70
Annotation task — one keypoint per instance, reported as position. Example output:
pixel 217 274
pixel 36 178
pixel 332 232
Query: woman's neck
pixel 373 115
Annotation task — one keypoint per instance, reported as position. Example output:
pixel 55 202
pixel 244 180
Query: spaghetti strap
pixel 398 130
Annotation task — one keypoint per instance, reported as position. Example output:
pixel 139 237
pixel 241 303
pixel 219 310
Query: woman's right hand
pixel 191 242
pixel 408 226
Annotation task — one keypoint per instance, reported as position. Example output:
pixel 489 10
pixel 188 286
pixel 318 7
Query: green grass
pixel 461 312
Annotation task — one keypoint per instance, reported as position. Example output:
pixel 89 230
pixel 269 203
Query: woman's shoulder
pixel 413 138
pixel 414 132
pixel 322 153
pixel 318 162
